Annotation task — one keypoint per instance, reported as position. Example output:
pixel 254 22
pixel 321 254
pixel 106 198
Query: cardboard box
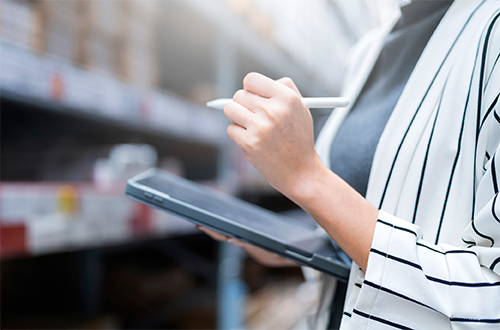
pixel 57 216
pixel 62 27
pixel 137 42
pixel 100 28
pixel 17 22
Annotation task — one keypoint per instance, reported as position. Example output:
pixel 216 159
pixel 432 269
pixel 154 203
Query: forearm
pixel 345 215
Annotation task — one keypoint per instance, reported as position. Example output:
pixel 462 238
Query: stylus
pixel 310 102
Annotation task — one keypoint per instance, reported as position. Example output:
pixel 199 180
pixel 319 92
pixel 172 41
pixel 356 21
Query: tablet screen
pixel 230 208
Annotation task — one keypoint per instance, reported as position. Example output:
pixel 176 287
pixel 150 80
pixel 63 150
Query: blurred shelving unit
pixel 93 92
pixel 74 90
pixel 33 83
pixel 42 82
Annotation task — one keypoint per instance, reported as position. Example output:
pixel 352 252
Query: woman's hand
pixel 263 257
pixel 275 131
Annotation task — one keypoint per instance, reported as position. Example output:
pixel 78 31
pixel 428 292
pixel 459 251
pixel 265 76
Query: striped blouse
pixel 435 256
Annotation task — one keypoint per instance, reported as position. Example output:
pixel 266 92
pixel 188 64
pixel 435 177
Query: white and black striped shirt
pixel 435 257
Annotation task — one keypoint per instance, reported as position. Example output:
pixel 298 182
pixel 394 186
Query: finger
pixel 268 258
pixel 288 82
pixel 264 257
pixel 261 85
pixel 237 242
pixel 237 134
pixel 215 235
pixel 256 251
pixel 250 101
pixel 251 249
pixel 238 114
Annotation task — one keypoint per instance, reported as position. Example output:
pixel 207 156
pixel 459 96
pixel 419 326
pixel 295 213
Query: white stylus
pixel 310 102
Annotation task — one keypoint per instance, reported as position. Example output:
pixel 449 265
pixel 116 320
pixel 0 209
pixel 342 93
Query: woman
pixel 405 181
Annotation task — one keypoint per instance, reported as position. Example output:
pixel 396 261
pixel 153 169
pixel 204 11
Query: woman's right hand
pixel 262 256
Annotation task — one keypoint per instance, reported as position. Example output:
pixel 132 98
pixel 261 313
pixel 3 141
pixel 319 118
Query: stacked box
pixel 63 27
pixel 138 53
pixel 58 216
pixel 17 22
pixel 100 29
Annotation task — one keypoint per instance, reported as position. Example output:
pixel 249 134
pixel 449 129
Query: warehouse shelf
pixel 48 217
pixel 49 85
pixel 49 82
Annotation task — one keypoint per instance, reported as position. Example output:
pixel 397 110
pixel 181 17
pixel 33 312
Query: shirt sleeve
pixel 430 286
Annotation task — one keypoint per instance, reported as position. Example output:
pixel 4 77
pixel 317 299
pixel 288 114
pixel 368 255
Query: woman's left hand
pixel 262 256
pixel 275 131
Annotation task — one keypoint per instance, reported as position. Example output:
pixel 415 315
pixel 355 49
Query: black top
pixel 354 146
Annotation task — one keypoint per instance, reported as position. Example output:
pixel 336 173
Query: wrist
pixel 346 216
pixel 304 186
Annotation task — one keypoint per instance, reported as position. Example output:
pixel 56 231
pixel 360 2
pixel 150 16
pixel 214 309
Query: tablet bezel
pixel 194 214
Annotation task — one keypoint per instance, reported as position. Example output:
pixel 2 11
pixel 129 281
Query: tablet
pixel 304 244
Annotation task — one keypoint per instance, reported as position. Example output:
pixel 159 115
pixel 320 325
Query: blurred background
pixel 95 91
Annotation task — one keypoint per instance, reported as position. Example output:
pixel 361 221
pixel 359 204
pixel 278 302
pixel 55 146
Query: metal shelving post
pixel 231 289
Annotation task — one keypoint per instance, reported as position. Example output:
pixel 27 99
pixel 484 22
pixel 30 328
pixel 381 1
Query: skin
pixel 264 257
pixel 275 131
